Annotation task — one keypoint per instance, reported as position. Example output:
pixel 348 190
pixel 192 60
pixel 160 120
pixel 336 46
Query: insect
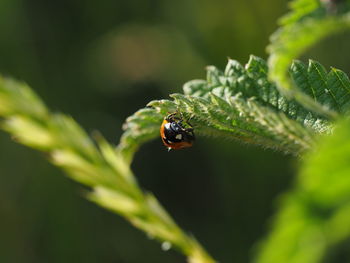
pixel 176 133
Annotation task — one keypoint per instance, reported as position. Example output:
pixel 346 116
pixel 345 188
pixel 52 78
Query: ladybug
pixel 175 133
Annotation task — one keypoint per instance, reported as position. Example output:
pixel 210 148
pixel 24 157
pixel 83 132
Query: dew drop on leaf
pixel 166 246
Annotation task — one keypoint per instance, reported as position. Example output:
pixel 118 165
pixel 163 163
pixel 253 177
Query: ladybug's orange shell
pixel 162 135
pixel 178 145
pixel 174 146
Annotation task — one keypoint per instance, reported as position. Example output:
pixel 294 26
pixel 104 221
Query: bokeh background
pixel 100 61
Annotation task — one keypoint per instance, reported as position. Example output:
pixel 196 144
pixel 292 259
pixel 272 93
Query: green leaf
pixel 139 128
pixel 17 97
pixel 332 89
pixel 104 169
pixel 299 9
pixel 307 24
pixel 241 103
pixel 315 216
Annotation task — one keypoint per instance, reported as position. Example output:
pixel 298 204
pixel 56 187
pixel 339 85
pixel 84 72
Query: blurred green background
pixel 100 61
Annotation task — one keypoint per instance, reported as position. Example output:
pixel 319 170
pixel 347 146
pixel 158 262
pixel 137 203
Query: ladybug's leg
pixel 172 117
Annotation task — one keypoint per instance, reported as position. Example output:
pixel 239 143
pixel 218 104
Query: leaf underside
pixel 241 103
